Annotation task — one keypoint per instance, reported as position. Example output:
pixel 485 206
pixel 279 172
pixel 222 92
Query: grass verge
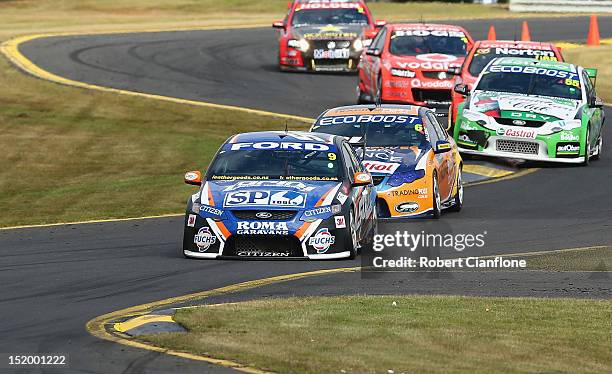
pixel 72 154
pixel 367 334
pixel 595 57
pixel 595 259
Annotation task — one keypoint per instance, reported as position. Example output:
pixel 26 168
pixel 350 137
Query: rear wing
pixel 592 73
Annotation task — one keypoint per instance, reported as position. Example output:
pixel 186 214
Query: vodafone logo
pixel 436 57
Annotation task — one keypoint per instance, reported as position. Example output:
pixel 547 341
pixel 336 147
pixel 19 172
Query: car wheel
pixel 587 148
pixel 437 210
pixel 458 200
pixel 597 155
pixel 352 241
pixel 379 89
pixel 361 96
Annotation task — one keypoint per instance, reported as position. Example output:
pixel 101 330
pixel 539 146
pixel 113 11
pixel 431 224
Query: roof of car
pixel 276 136
pixel 515 43
pixel 424 26
pixel 512 61
pixel 372 109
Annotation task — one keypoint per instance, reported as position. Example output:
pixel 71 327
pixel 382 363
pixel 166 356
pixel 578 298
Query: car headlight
pixel 480 118
pixel 358 45
pixel 301 44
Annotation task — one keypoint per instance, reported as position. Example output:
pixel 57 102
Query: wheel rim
pixel 436 195
pixel 353 231
pixel 460 188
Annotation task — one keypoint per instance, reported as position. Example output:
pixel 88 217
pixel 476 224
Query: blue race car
pixel 281 194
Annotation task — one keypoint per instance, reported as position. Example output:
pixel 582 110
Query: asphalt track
pixel 56 279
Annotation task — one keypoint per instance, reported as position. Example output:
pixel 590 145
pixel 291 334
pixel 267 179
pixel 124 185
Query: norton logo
pixel 204 239
pixel 408 207
pixel 322 240
pixel 263 215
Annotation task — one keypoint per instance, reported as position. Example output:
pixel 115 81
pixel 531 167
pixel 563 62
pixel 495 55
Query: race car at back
pixel 326 35
pixel 484 51
pixel 408 63
pixel 532 110
pixel 414 162
pixel 281 195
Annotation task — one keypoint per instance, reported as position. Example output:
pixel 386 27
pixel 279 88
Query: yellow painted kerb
pixel 97 326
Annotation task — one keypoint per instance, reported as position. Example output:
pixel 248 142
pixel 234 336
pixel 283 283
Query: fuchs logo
pixel 204 239
pixel 322 240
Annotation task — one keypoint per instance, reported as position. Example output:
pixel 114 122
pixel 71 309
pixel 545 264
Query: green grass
pixel 595 57
pixel 366 334
pixel 72 154
pixel 595 259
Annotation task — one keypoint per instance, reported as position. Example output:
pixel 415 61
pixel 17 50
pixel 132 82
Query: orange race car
pixel 415 164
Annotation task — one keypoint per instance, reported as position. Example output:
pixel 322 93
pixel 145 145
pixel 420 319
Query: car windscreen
pixel 482 56
pixel 276 160
pixel 418 42
pixel 388 130
pixel 306 17
pixel 531 80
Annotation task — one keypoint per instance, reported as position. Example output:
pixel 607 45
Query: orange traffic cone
pixel 525 37
pixel 593 38
pixel 491 35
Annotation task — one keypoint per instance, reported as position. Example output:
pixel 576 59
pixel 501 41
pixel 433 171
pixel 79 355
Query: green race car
pixel 532 110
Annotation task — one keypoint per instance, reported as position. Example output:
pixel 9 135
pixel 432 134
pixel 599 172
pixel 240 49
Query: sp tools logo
pixel 265 198
pixel 204 239
pixel 322 240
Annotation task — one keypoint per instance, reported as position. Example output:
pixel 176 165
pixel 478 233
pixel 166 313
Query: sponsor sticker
pixel 204 239
pixel 322 240
pixel 516 133
pixel 323 54
pixel 341 197
pixel 568 149
pixel 191 220
pixel 270 183
pixel 340 222
pixel 292 199
pixel 408 207
pixel 568 136
pixel 262 228
pixel 380 167
pixel 369 118
pixel 280 145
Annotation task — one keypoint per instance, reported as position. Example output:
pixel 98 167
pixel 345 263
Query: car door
pixel 362 195
pixel 446 161
pixel 595 114
pixel 372 63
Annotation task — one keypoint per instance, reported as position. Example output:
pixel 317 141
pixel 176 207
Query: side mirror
pixel 461 89
pixel 361 179
pixel 380 23
pixel 596 102
pixel 373 52
pixel 193 177
pixel 455 70
pixel 442 146
pixel 278 25
pixel 592 73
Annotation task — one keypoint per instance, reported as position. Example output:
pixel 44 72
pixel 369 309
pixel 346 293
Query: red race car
pixel 408 63
pixel 484 51
pixel 325 35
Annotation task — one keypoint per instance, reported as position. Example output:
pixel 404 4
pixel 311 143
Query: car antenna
pixel 286 131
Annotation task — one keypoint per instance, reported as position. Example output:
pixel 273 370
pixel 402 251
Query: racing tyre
pixel 587 148
pixel 352 243
pixel 437 210
pixel 361 97
pixel 597 155
pixel 458 199
pixel 378 97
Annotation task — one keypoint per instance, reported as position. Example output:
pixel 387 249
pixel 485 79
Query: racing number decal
pixel 331 156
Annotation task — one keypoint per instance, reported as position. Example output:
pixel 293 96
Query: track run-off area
pixel 57 278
